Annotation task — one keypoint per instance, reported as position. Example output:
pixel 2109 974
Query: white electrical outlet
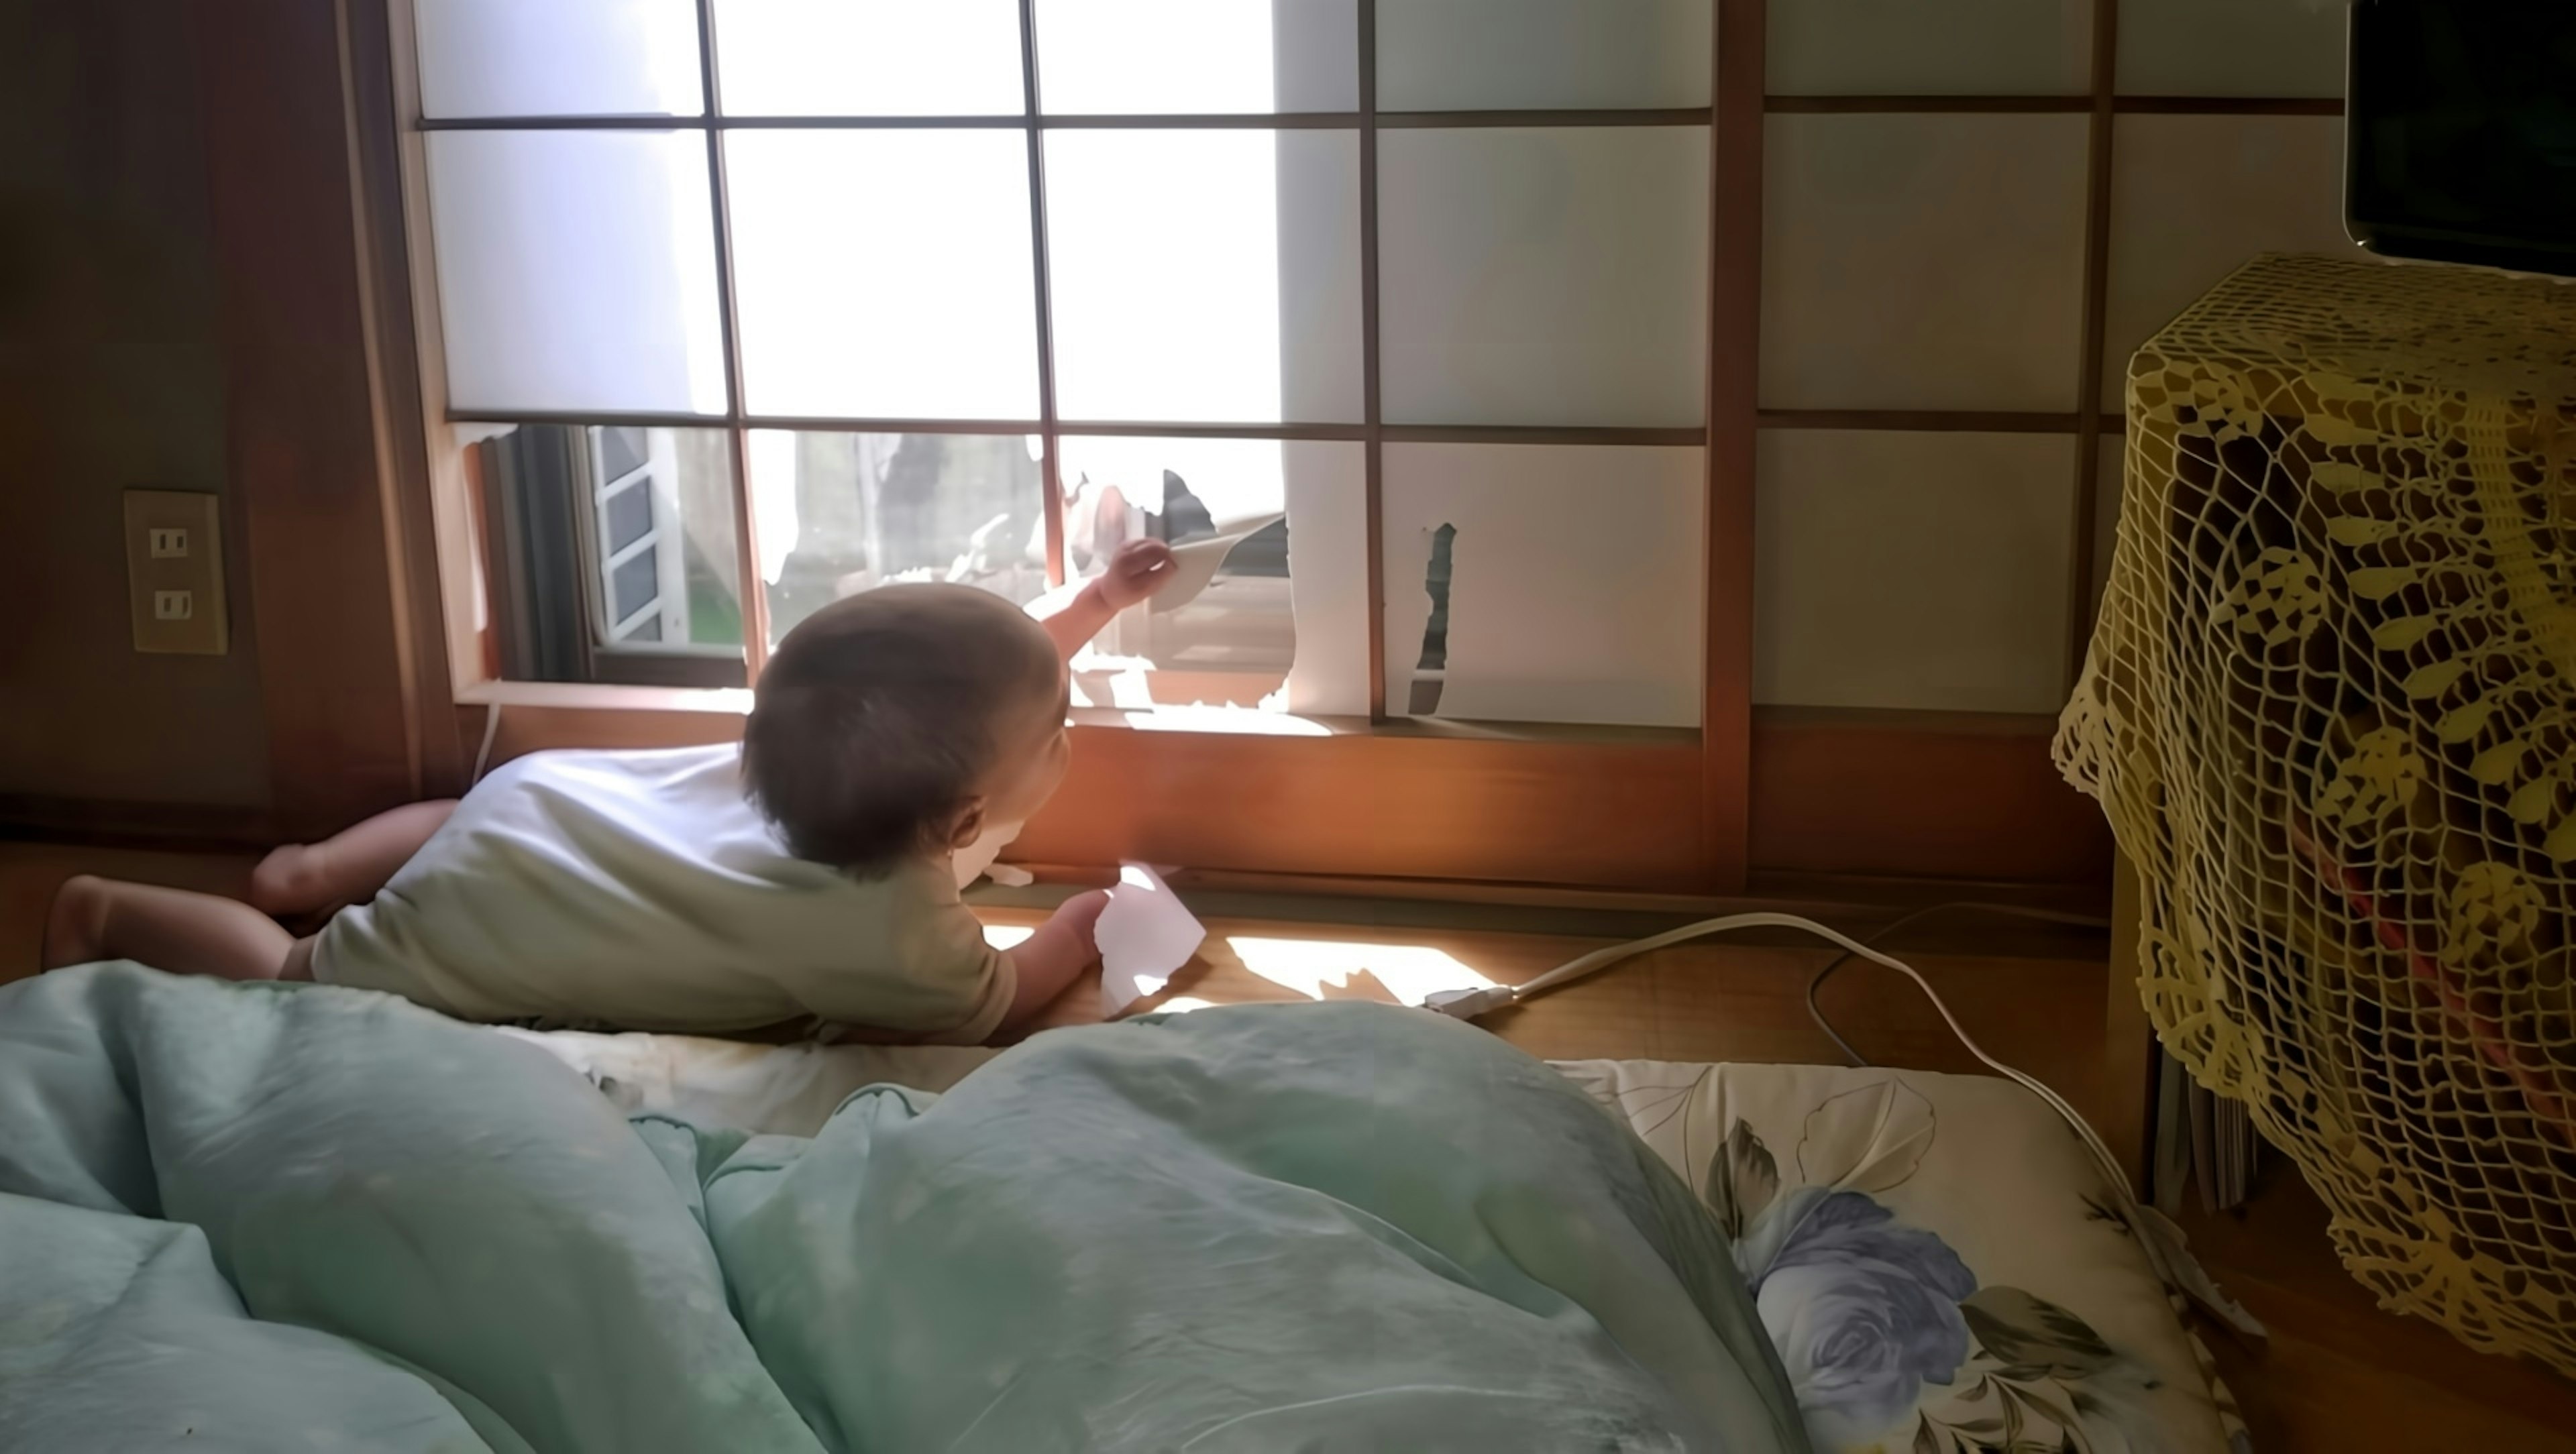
pixel 174 571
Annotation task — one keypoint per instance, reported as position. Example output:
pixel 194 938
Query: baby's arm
pixel 1140 568
pixel 1047 961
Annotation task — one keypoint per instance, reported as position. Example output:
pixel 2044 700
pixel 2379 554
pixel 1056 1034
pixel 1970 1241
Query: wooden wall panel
pixel 1604 815
pixel 1919 795
pixel 111 378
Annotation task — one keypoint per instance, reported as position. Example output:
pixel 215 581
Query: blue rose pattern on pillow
pixel 1863 1311
pixel 1880 1324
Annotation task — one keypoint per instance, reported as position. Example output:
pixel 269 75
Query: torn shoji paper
pixel 1569 578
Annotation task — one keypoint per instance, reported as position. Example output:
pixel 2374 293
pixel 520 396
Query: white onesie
pixel 641 889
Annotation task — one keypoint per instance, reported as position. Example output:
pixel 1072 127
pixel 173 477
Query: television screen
pixel 2460 131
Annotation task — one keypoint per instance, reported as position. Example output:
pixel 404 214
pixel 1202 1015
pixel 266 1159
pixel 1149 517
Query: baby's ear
pixel 968 827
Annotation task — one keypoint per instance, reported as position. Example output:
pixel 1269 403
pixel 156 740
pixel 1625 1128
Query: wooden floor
pixel 2336 1375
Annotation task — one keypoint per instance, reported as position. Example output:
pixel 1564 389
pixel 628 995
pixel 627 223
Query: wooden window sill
pixel 576 701
pixel 603 697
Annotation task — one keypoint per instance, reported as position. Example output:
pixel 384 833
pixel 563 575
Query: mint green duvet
pixel 305 1218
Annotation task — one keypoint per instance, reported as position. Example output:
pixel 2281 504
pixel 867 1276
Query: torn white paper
pixel 1145 936
pixel 1194 563
pixel 1327 499
pixel 1573 587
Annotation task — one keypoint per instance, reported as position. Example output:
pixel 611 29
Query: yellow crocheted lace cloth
pixel 2330 711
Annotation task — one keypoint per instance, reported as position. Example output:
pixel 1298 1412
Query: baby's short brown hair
pixel 880 714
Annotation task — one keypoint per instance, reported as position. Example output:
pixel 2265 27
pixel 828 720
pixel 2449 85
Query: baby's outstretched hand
pixel 1137 571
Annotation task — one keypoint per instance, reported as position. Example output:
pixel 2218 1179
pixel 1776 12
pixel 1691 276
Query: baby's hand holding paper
pixel 1145 936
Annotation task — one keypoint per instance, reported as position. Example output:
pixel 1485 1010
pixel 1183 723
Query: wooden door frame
pixel 321 434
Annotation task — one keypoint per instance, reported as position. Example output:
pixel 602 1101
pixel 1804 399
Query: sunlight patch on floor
pixel 1324 969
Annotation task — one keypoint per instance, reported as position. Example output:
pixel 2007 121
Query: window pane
pixel 623 449
pixel 869 57
pixel 1922 261
pixel 1957 47
pixel 1223 505
pixel 2232 48
pixel 1544 276
pixel 1205 275
pixel 634 589
pixel 609 553
pixel 630 514
pixel 1912 571
pixel 1124 57
pixel 839 513
pixel 885 274
pixel 576 271
pixel 1544 583
pixel 1493 55
pixel 559 58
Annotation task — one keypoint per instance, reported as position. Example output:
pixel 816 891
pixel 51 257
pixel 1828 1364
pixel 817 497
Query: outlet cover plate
pixel 174 543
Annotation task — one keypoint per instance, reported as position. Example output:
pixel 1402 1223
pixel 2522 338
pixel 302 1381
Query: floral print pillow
pixel 1937 1262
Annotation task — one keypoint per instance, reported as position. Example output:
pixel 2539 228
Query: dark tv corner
pixel 2460 132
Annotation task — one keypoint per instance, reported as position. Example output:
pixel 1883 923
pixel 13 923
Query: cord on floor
pixel 1816 982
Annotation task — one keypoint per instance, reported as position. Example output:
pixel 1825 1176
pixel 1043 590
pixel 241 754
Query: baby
pixel 897 740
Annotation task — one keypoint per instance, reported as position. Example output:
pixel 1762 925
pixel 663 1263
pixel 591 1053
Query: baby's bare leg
pixel 346 867
pixel 170 929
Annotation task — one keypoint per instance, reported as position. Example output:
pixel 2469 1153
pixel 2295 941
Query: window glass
pixel 869 57
pixel 885 274
pixel 1555 276
pixel 1205 57
pixel 1205 276
pixel 558 57
pixel 1222 506
pixel 610 552
pixel 1495 55
pixel 843 513
pixel 576 271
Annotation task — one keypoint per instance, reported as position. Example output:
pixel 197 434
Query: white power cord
pixel 491 730
pixel 1816 981
pixel 2163 1242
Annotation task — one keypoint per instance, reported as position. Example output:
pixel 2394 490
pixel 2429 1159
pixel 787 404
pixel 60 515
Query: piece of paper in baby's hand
pixel 1195 563
pixel 1145 936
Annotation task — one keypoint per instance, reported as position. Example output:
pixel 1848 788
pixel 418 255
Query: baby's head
pixel 903 721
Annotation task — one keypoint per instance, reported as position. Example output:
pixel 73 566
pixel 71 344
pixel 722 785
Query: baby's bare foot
pixel 76 925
